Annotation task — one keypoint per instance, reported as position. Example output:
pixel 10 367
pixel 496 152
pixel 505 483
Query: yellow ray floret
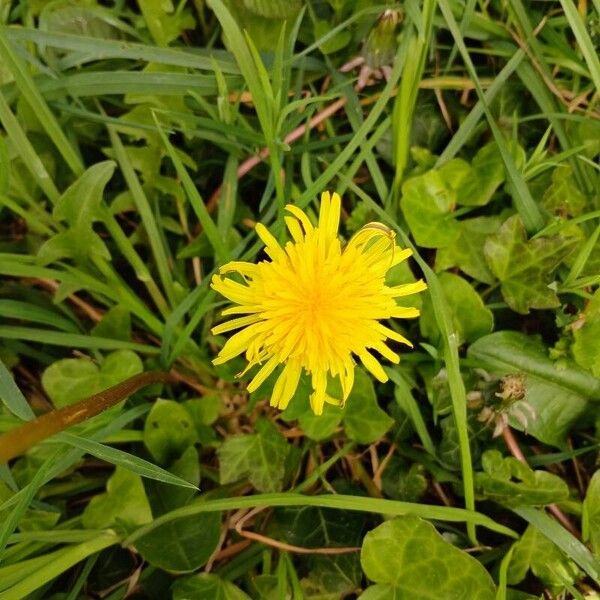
pixel 315 305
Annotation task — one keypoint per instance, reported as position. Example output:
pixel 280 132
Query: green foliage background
pixel 140 141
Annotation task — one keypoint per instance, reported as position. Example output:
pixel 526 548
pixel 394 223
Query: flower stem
pixel 19 440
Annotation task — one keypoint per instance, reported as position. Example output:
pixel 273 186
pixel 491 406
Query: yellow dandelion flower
pixel 315 305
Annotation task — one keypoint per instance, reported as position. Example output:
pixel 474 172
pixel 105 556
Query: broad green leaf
pixel 164 497
pixel 470 317
pixel 116 323
pixel 206 586
pixel 364 421
pixel 537 553
pixel 563 197
pixel 124 504
pixel 508 481
pixel 80 206
pixel 169 430
pixel 404 483
pixel 586 346
pixel 71 379
pixel 182 545
pixel 476 183
pixel 591 514
pixel 558 394
pixel 409 559
pixel 466 252
pixel 340 40
pixel 525 267
pixel 427 203
pixel 258 456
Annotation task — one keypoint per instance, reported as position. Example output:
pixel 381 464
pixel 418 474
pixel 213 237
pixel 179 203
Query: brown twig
pixel 263 539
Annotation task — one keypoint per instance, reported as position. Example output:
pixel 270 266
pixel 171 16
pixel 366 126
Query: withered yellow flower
pixel 315 305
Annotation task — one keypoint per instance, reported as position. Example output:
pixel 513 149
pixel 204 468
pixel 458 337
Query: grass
pixel 140 143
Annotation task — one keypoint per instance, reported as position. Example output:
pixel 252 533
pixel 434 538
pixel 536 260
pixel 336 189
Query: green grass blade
pixel 11 395
pixel 71 340
pixel 337 501
pixel 525 204
pixel 404 106
pixel 584 41
pixel 451 358
pixel 28 155
pixel 32 96
pixel 61 561
pixel 143 207
pixel 90 48
pixel 195 199
pixel 124 459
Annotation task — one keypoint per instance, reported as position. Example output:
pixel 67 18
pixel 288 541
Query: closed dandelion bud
pixel 380 46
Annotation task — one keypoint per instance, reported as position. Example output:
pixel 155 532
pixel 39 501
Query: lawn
pixel 299 299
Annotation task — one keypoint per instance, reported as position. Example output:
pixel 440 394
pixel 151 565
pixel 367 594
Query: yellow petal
pixel 263 373
pixel 286 385
pixel 301 216
pixel 373 365
pixel 235 324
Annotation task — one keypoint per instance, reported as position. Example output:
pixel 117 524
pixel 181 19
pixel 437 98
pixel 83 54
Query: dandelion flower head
pixel 316 305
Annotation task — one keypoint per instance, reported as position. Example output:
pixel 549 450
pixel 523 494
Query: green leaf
pixel 80 206
pixel 525 267
pixel 563 197
pixel 164 497
pixel 466 252
pixel 169 430
pixel 509 481
pixel 124 504
pixel 182 545
pixel 476 183
pixel 427 204
pixel 258 456
pixel 586 349
pixel 205 586
pixel 409 559
pixel 558 394
pixel 470 317
pixel 364 420
pixel 537 553
pixel 591 514
pixel 116 323
pixel 71 379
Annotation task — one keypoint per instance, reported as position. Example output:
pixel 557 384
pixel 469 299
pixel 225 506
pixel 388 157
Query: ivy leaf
pixel 181 545
pixel 563 197
pixel 524 267
pixel 408 559
pixel 510 482
pixel 475 183
pixel 364 420
pixel 427 204
pixel 169 430
pixel 591 514
pixel 466 252
pixel 537 553
pixel 71 379
pixel 585 348
pixel 205 586
pixel 258 456
pixel 470 316
pixel 124 503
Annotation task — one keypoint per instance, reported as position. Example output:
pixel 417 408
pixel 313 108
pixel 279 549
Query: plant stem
pixel 19 440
